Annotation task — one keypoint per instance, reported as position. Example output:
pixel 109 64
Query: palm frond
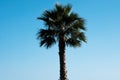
pixel 47 42
pixel 73 42
pixel 82 37
pixel 67 9
pixel 45 33
pixel 79 24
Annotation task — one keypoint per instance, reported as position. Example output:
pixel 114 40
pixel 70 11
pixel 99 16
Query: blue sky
pixel 21 58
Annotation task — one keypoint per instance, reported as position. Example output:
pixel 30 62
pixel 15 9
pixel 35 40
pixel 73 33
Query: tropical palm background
pixel 64 27
pixel 21 58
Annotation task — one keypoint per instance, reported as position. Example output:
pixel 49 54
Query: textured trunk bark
pixel 63 72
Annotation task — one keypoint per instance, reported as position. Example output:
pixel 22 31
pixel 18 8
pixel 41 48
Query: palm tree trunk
pixel 63 72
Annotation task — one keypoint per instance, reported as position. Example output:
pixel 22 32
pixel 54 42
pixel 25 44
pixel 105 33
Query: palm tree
pixel 64 27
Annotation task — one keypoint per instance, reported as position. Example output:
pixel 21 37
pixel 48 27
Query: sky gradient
pixel 21 58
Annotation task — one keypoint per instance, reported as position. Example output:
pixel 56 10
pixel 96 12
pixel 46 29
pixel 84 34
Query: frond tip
pixel 46 37
pixel 82 37
pixel 73 42
pixel 47 42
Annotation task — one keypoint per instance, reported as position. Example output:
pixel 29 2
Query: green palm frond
pixel 78 35
pixel 48 17
pixel 73 42
pixel 75 37
pixel 47 42
pixel 82 37
pixel 65 10
pixel 45 33
pixel 79 24
pixel 46 37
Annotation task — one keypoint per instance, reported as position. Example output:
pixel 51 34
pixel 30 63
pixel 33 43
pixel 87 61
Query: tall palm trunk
pixel 63 72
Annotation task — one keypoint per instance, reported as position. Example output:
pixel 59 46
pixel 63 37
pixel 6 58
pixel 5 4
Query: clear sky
pixel 21 58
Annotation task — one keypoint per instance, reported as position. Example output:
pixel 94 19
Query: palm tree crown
pixel 61 22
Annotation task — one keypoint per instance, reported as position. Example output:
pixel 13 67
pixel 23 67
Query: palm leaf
pixel 73 42
pixel 82 37
pixel 45 33
pixel 47 42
